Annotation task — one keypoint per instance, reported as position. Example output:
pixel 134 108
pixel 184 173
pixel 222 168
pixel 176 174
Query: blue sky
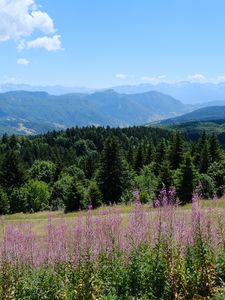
pixel 99 43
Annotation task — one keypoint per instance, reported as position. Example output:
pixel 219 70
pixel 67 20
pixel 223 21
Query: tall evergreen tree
pixel 205 158
pixel 186 180
pixel 111 175
pixel 160 155
pixel 150 153
pixel 176 150
pixel 130 155
pixel 215 148
pixel 12 172
pixel 165 175
pixel 201 152
pixel 140 158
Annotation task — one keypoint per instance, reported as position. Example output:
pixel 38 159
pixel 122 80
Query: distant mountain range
pixel 32 112
pixel 25 112
pixel 210 113
pixel 53 90
pixel 186 92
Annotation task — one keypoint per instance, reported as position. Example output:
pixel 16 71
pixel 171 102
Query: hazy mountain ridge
pixel 39 111
pixel 50 89
pixel 185 91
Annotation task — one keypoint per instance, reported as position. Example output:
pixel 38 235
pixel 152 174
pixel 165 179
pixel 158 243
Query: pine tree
pixel 186 180
pixel 111 177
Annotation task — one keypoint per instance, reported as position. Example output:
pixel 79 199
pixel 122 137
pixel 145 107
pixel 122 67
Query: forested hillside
pixel 70 169
pixel 27 113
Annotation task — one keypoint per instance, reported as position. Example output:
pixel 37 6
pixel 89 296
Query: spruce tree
pixel 160 155
pixel 176 150
pixel 12 172
pixel 205 158
pixel 215 148
pixel 130 156
pixel 186 180
pixel 111 177
pixel 165 176
pixel 201 151
pixel 140 158
pixel 150 153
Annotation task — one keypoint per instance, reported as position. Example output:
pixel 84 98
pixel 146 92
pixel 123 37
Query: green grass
pixel 39 219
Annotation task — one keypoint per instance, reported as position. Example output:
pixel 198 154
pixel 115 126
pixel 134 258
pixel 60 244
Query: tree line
pixel 71 169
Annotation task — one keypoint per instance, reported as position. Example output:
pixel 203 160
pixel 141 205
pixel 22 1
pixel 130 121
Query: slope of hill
pixel 34 112
pixel 202 114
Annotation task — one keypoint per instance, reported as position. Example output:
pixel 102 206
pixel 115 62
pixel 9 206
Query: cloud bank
pixel 19 19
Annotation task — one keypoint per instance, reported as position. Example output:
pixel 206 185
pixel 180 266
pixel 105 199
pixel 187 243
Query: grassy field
pixel 39 220
pixel 127 252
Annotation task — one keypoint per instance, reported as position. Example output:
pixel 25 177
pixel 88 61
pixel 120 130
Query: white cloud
pixel 48 43
pixel 21 18
pixel 196 77
pixel 153 79
pixel 121 76
pixel 220 78
pixel 22 61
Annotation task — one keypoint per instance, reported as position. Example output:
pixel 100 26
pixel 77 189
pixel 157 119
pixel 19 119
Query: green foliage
pixel 217 172
pixel 68 193
pixel 75 197
pixel 43 171
pixel 94 194
pixel 208 186
pixel 35 196
pixel 147 184
pixel 114 158
pixel 74 172
pixel 61 191
pixel 43 284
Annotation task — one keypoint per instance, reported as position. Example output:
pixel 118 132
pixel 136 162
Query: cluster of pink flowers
pixel 89 236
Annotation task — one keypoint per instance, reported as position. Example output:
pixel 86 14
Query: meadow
pixel 120 252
